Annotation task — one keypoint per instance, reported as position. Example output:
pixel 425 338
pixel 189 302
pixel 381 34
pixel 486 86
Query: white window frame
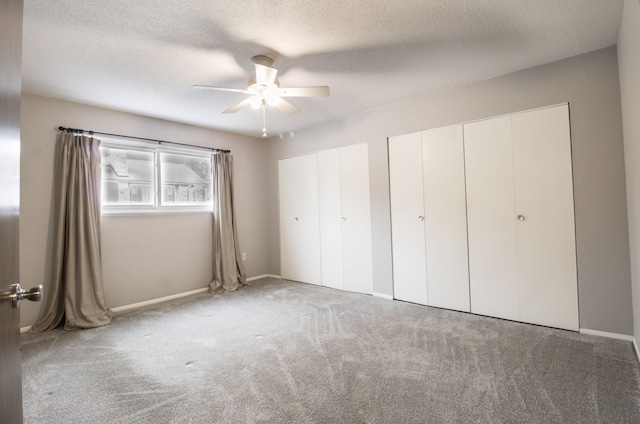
pixel 157 206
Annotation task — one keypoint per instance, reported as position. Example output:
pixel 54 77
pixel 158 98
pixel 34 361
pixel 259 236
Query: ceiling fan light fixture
pixel 271 98
pixel 264 90
pixel 256 101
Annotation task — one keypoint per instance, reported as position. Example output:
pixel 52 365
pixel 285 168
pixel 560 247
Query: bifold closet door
pixel 544 200
pixel 299 219
pixel 345 218
pixel 356 219
pixel 445 218
pixel 407 218
pixel 522 258
pixel 491 218
pixel 330 218
pixel 428 218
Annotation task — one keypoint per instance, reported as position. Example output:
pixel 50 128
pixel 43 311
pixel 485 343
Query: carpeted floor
pixel 284 352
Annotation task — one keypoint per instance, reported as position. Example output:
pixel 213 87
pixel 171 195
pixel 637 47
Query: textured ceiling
pixel 143 56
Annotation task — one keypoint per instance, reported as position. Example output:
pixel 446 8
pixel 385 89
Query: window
pixel 127 176
pixel 185 179
pixel 141 178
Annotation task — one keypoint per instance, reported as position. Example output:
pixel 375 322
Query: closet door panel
pixel 493 271
pixel 356 218
pixel 330 214
pixel 445 218
pixel 407 218
pixel 299 219
pixel 544 197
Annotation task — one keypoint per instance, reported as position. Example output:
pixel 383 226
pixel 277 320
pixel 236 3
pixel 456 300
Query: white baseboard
pixel 606 334
pixel 635 348
pixel 259 277
pixel 158 300
pixel 383 296
pixel 177 296
pixel 166 298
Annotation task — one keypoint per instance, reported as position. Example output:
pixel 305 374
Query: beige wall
pixel 144 256
pixel 590 84
pixel 629 63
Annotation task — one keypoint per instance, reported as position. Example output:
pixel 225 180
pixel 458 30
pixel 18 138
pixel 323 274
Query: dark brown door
pixel 10 82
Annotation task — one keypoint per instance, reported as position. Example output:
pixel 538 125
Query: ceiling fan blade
pixel 246 102
pixel 320 91
pixel 209 87
pixel 265 75
pixel 285 106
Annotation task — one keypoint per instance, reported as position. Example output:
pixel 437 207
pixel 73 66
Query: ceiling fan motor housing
pixel 251 82
pixel 262 60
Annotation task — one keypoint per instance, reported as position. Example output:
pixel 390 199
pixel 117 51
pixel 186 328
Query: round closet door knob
pixel 520 217
pixel 296 218
pixel 421 218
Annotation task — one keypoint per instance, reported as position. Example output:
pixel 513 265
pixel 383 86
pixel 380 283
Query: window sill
pixel 163 211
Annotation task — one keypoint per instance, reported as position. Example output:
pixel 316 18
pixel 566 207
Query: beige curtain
pixel 228 271
pixel 74 292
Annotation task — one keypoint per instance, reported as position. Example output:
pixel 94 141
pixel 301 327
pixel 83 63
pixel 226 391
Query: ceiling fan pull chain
pixel 264 120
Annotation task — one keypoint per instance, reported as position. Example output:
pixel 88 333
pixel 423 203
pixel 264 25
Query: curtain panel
pixel 75 293
pixel 228 271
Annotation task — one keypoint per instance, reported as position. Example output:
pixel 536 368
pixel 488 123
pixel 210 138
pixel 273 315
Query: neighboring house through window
pixel 141 178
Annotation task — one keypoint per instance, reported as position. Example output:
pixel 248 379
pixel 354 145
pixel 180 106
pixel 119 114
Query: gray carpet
pixel 283 352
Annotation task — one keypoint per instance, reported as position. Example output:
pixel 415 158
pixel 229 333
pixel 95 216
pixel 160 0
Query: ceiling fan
pixel 264 90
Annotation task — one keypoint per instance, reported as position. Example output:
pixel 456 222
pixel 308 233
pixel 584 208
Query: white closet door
pixel 299 220
pixel 445 218
pixel 356 218
pixel 546 236
pixel 330 218
pixel 493 259
pixel 407 218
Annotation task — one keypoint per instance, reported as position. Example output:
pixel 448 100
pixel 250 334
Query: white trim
pixel 177 296
pixel 159 300
pixel 635 349
pixel 382 296
pixel 606 334
pixel 166 298
pixel 259 277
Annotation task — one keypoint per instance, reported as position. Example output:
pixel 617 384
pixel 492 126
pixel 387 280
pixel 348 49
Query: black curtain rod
pixel 77 130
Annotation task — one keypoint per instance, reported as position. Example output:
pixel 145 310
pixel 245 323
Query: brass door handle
pixel 520 217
